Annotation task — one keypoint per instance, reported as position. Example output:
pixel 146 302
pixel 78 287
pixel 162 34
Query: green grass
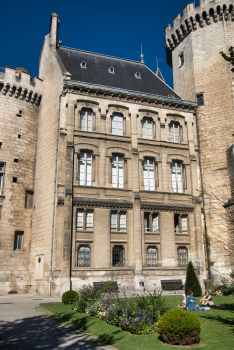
pixel 217 326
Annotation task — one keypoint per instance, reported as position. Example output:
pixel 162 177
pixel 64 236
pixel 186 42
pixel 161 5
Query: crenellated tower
pixel 200 73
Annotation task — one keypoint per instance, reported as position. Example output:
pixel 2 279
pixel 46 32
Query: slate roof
pixel 97 72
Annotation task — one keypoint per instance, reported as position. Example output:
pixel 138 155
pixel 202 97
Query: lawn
pixel 217 326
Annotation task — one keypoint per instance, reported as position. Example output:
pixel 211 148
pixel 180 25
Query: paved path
pixel 22 327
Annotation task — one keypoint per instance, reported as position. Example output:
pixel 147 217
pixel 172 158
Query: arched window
pixel 182 256
pixel 152 256
pixel 148 175
pixel 86 120
pixel 147 128
pixel 174 129
pixel 117 171
pixel 85 169
pixel 118 255
pixel 83 256
pixel 117 124
pixel 176 173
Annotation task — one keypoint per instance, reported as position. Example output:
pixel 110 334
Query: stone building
pixel 114 174
pixel 19 101
pixel 200 73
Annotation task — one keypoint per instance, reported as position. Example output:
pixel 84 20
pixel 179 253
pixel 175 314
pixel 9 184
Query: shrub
pixel 87 294
pixel 179 327
pixel 192 282
pixel 70 297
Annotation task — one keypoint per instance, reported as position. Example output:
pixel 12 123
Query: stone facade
pixel 197 39
pixel 19 101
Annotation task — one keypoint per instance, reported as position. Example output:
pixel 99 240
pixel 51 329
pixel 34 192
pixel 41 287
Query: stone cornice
pixel 20 92
pixel 102 203
pixel 160 206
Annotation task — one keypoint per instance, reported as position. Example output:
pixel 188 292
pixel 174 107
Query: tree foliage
pixel 229 58
pixel 192 282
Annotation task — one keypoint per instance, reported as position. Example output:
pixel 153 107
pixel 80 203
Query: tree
pixel 229 58
pixel 192 282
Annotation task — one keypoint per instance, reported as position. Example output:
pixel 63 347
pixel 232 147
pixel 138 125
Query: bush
pixel 70 297
pixel 87 295
pixel 192 282
pixel 179 327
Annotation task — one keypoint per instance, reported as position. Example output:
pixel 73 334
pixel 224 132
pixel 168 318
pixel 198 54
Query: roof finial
pixel 142 56
pixel 158 72
pixel 157 62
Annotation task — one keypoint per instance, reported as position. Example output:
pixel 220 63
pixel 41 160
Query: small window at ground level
pixel 18 242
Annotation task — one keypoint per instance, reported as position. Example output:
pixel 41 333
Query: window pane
pixel 151 179
pixel 83 256
pixel 90 121
pixel 114 175
pixel 113 221
pixel 89 220
pixel 79 219
pixel 177 223
pixel 113 125
pixel 118 255
pixel 184 223
pixel 122 221
pixel 182 256
pixel 1 181
pixel 144 134
pixel 155 223
pixel 152 256
pixel 146 222
pixel 121 178
pixel 89 174
pixel 120 126
pixel 81 172
pixel 83 120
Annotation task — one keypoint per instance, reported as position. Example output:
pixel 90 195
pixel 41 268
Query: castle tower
pixel 200 73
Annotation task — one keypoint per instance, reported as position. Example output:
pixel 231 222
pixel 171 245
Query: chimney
pixel 54 29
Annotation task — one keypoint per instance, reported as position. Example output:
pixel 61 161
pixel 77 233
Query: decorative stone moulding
pixel 102 203
pixel 194 18
pixel 20 92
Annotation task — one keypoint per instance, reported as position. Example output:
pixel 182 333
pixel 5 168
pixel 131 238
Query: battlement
pixel 209 11
pixel 17 82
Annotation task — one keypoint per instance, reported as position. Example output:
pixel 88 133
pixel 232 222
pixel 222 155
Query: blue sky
pixel 115 28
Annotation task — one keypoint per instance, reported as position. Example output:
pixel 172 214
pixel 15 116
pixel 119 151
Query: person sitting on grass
pixel 183 304
pixel 191 301
pixel 207 300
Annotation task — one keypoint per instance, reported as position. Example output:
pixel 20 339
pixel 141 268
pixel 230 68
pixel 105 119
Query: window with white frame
pixel 151 222
pixel 148 175
pixel 152 256
pixel 117 171
pixel 181 223
pixel 174 129
pixel 2 168
pixel 18 242
pixel 118 255
pixel 117 124
pixel 86 120
pixel 147 128
pixel 118 221
pixel 83 256
pixel 85 169
pixel 176 173
pixel 84 219
pixel 182 256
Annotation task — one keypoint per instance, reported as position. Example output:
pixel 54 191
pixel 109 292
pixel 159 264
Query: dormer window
pixel 111 70
pixel 83 64
pixel 138 75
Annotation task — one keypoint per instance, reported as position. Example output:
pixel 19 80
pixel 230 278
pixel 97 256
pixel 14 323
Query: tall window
pixel 84 219
pixel 118 255
pixel 1 177
pixel 147 128
pixel 85 169
pixel 152 256
pixel 148 175
pixel 117 174
pixel 174 132
pixel 176 172
pixel 86 120
pixel 181 223
pixel 182 256
pixel 18 242
pixel 118 221
pixel 83 256
pixel 151 222
pixel 117 124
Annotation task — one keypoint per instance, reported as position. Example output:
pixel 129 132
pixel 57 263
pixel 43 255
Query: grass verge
pixel 217 326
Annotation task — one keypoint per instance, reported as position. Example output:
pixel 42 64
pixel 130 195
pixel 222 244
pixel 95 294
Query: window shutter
pixel 155 223
pixel 120 125
pixel 113 221
pixel 144 135
pixel 90 121
pixel 79 219
pixel 184 224
pixel 113 125
pixel 88 173
pixel 121 176
pixel 82 120
pixel 122 221
pixel 89 220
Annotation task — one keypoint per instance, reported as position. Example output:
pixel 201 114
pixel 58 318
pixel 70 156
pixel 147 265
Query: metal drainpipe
pixel 63 94
pixel 203 198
